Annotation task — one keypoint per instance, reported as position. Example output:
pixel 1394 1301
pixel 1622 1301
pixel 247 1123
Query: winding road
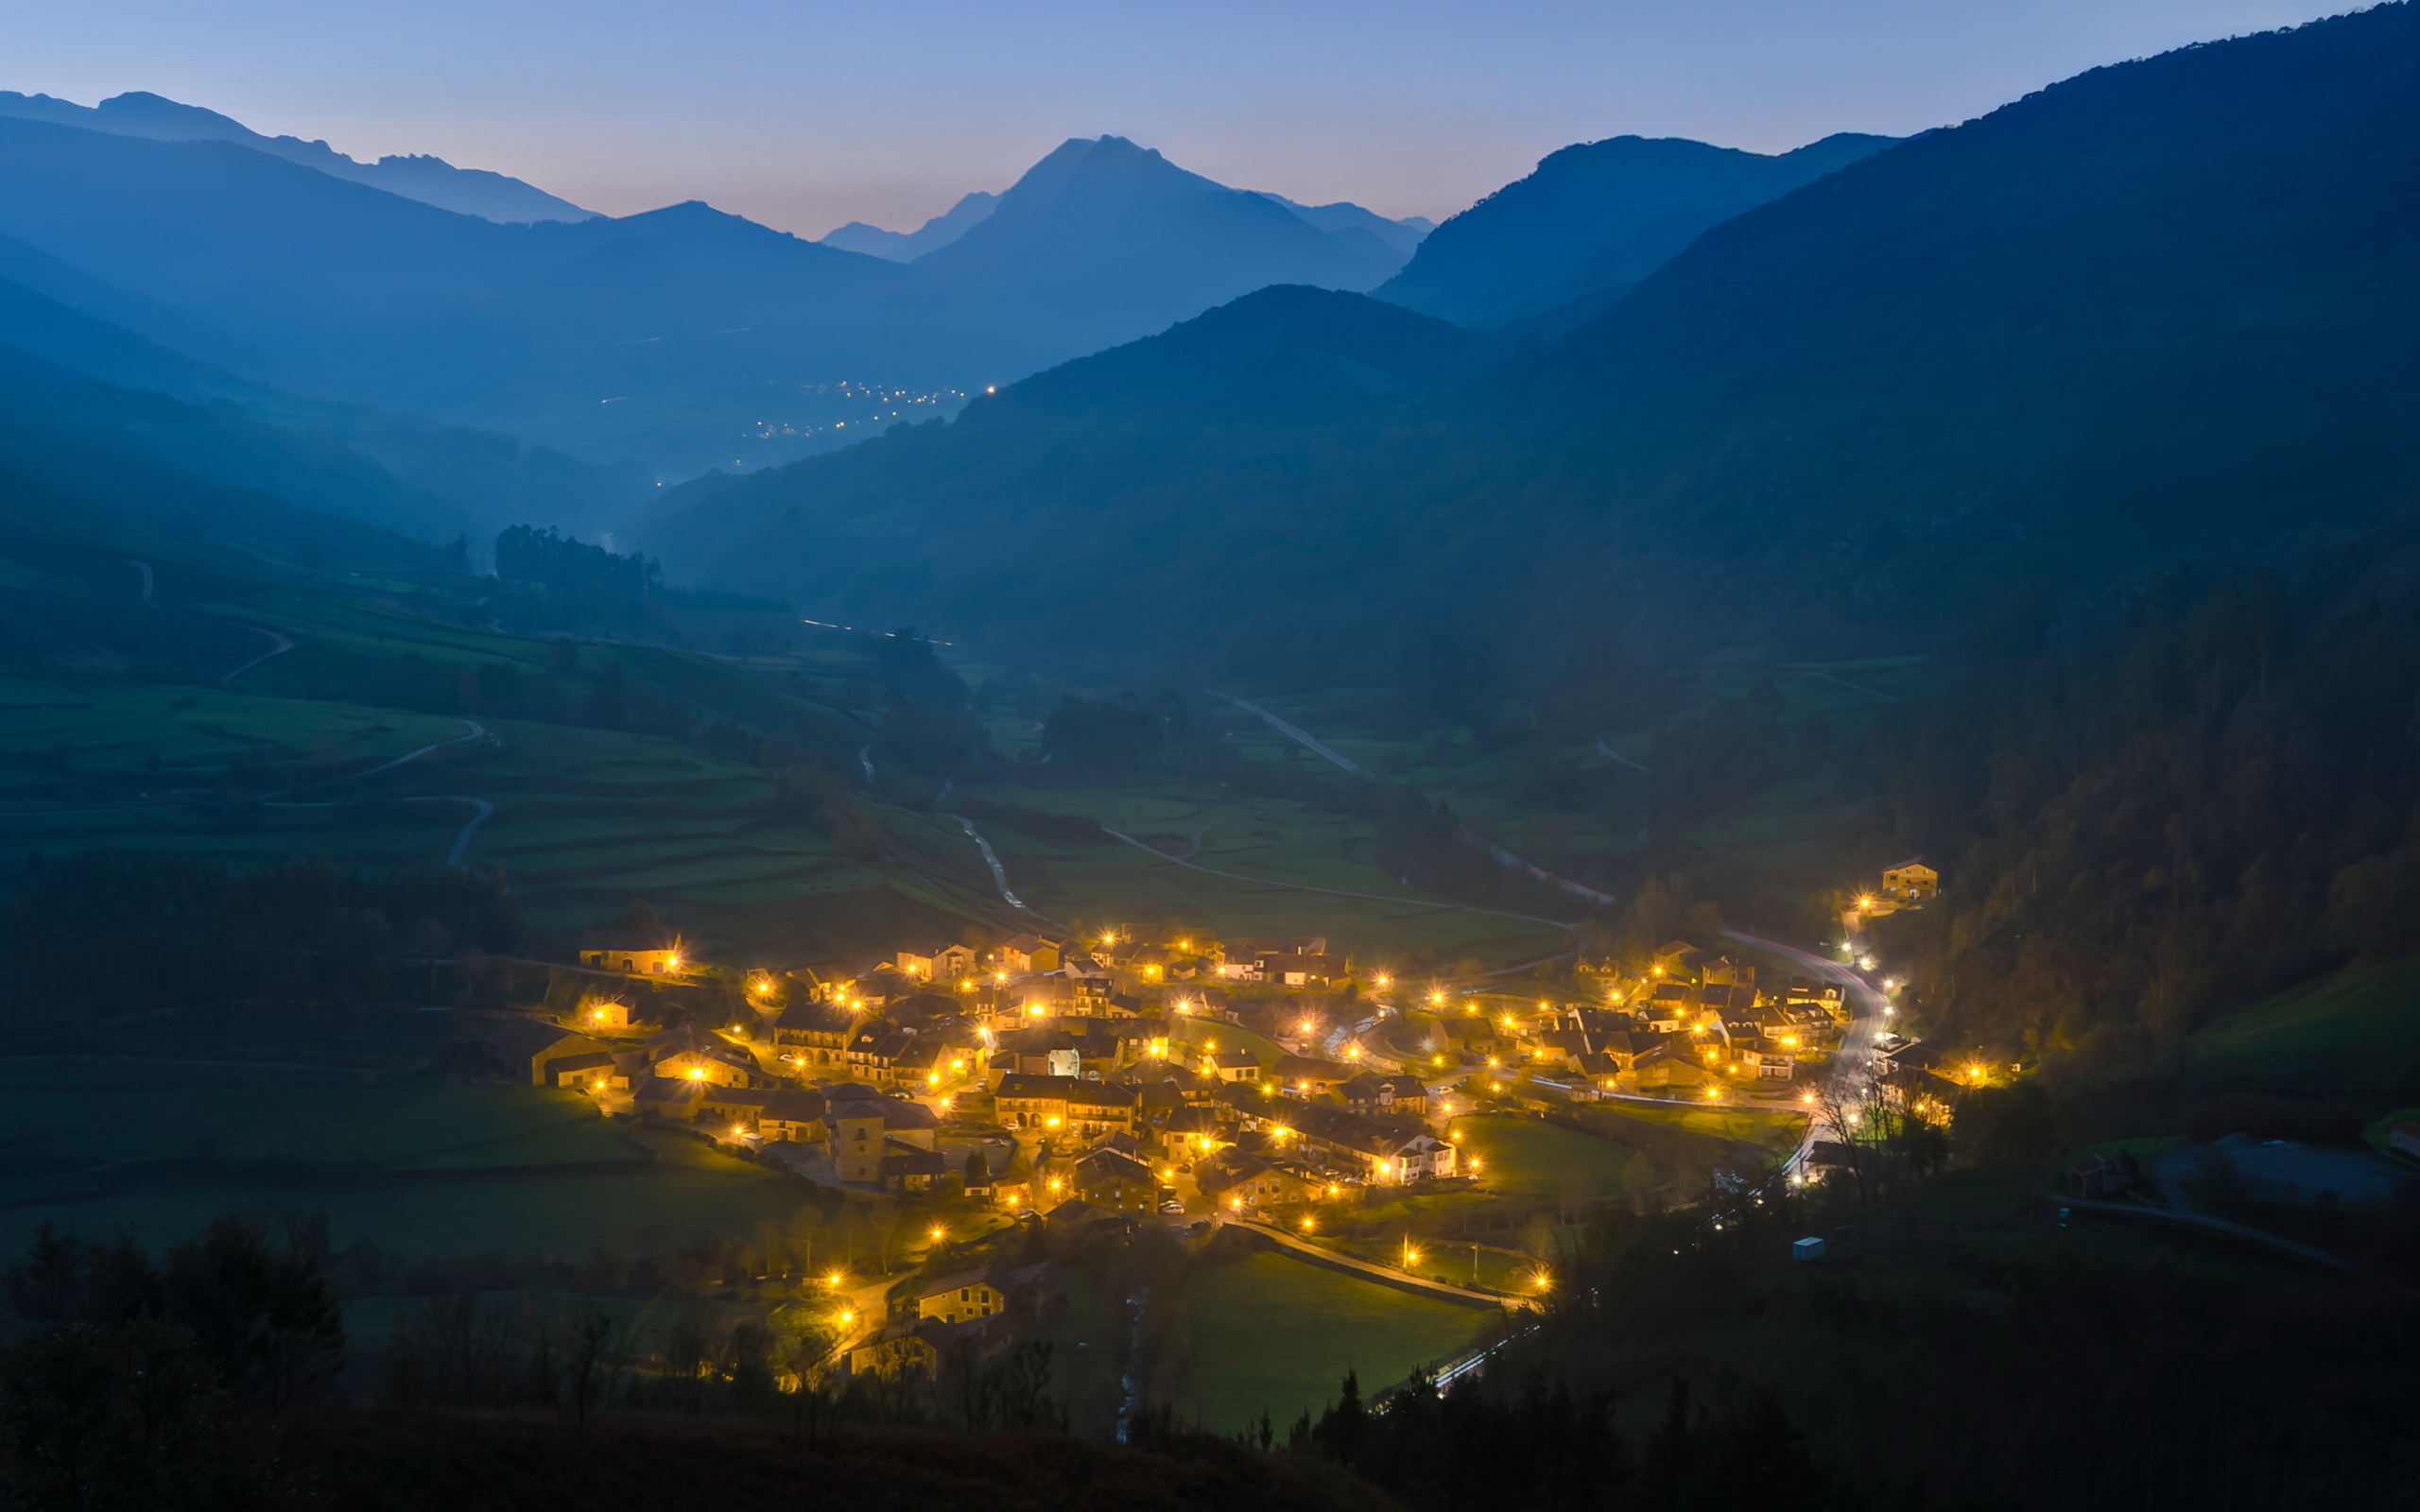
pixel 1848 1062
pixel 481 810
pixel 280 648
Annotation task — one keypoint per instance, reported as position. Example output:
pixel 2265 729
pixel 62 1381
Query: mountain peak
pixel 1595 217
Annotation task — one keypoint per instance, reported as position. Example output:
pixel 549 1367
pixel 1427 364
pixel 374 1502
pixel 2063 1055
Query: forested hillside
pixel 2210 793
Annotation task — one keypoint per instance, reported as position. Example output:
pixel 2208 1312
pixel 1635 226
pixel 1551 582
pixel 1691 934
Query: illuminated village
pixel 1131 1077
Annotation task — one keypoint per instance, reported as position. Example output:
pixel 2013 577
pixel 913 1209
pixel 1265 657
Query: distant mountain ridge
pixel 429 179
pixel 683 337
pixel 1592 220
pixel 906 247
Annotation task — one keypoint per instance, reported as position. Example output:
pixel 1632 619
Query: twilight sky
pixel 804 114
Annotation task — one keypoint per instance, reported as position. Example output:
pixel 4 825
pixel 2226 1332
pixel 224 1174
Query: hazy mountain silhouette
pixel 1594 220
pixel 2165 309
pixel 1392 241
pixel 429 179
pixel 684 337
pixel 691 322
pixel 1102 240
pixel 906 247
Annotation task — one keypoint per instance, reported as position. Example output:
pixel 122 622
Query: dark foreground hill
pixel 475 1463
pixel 2164 310
pixel 1115 469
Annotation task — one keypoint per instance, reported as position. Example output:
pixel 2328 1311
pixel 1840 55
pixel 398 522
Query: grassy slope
pixel 1525 1155
pixel 1275 1335
pixel 2353 1037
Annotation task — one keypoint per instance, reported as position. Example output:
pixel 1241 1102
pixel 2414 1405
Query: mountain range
pixel 430 180
pixel 682 337
pixel 2165 306
pixel 906 247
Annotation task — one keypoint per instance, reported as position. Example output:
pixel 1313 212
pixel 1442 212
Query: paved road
pixel 1303 737
pixel 481 808
pixel 1856 1039
pixel 991 859
pixel 279 646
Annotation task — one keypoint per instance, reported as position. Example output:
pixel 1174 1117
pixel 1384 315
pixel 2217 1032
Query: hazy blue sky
pixel 804 115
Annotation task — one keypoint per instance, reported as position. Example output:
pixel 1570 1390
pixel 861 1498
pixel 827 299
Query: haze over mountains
pixel 2166 307
pixel 681 338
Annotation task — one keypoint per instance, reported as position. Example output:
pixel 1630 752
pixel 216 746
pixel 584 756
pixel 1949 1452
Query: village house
pixel 1725 972
pixel 1676 958
pixel 1672 1063
pixel 2403 1138
pixel 1239 1182
pixel 1473 1039
pixel 1667 1008
pixel 604 1014
pixel 1166 1083
pixel 813 1035
pixel 1622 1047
pixel 1023 956
pixel 1230 1065
pixel 1069 1106
pixel 855 1128
pixel 1036 1052
pixel 1385 1092
pixel 633 953
pixel 1308 1076
pixel 1910 882
pixel 1188 1133
pixel 528 1047
pixel 723 1066
pixel 1116 1180
pixel 937 963
pixel 968 1293
pixel 907 1352
pixel 909 1168
pixel 1085 977
pixel 1384 1152
pixel 792 1113
pixel 596 1072
pixel 736 1107
pixel 1558 1048
pixel 665 1097
pixel 875 1050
